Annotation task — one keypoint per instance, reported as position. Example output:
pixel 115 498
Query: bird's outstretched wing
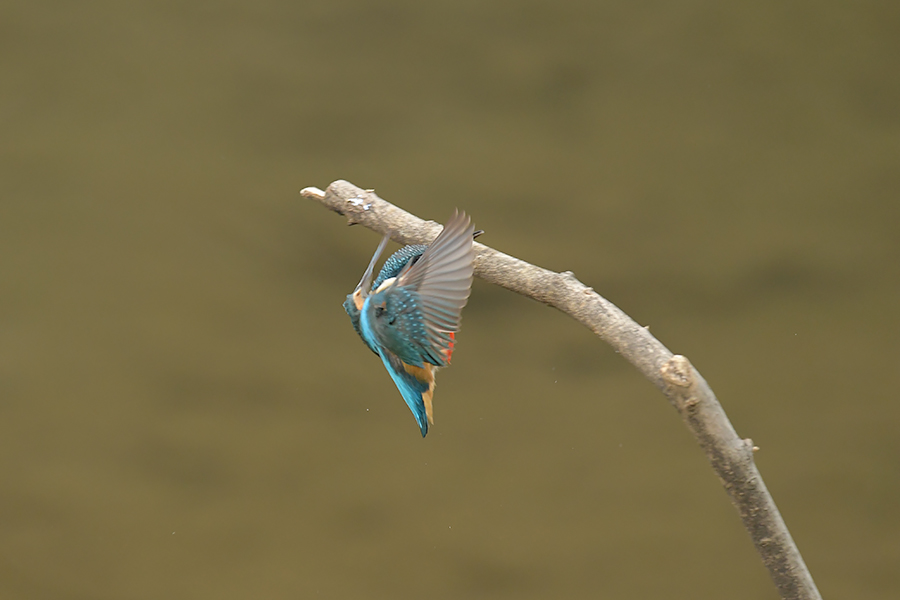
pixel 416 316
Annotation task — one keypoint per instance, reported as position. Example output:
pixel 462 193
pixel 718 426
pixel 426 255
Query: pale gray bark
pixel 730 456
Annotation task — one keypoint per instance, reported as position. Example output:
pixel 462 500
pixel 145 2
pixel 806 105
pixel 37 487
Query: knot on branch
pixel 351 201
pixel 678 371
pixel 749 445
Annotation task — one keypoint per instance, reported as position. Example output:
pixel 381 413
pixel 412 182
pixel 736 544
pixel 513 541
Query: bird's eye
pixel 379 310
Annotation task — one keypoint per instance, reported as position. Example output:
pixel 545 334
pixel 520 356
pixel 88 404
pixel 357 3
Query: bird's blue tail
pixel 416 385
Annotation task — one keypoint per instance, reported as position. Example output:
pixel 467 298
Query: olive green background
pixel 185 411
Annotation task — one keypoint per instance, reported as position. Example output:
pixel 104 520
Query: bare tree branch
pixel 730 456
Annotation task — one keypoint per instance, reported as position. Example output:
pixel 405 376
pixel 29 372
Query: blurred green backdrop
pixel 185 411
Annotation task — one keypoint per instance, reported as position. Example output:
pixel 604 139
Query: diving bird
pixel 410 314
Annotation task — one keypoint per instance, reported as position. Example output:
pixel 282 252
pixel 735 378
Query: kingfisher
pixel 410 314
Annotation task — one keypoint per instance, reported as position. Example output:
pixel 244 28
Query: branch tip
pixel 313 193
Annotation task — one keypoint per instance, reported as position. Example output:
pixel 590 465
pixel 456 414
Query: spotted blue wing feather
pixel 391 268
pixel 437 286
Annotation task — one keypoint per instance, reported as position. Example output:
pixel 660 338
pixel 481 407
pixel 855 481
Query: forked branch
pixel 730 456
